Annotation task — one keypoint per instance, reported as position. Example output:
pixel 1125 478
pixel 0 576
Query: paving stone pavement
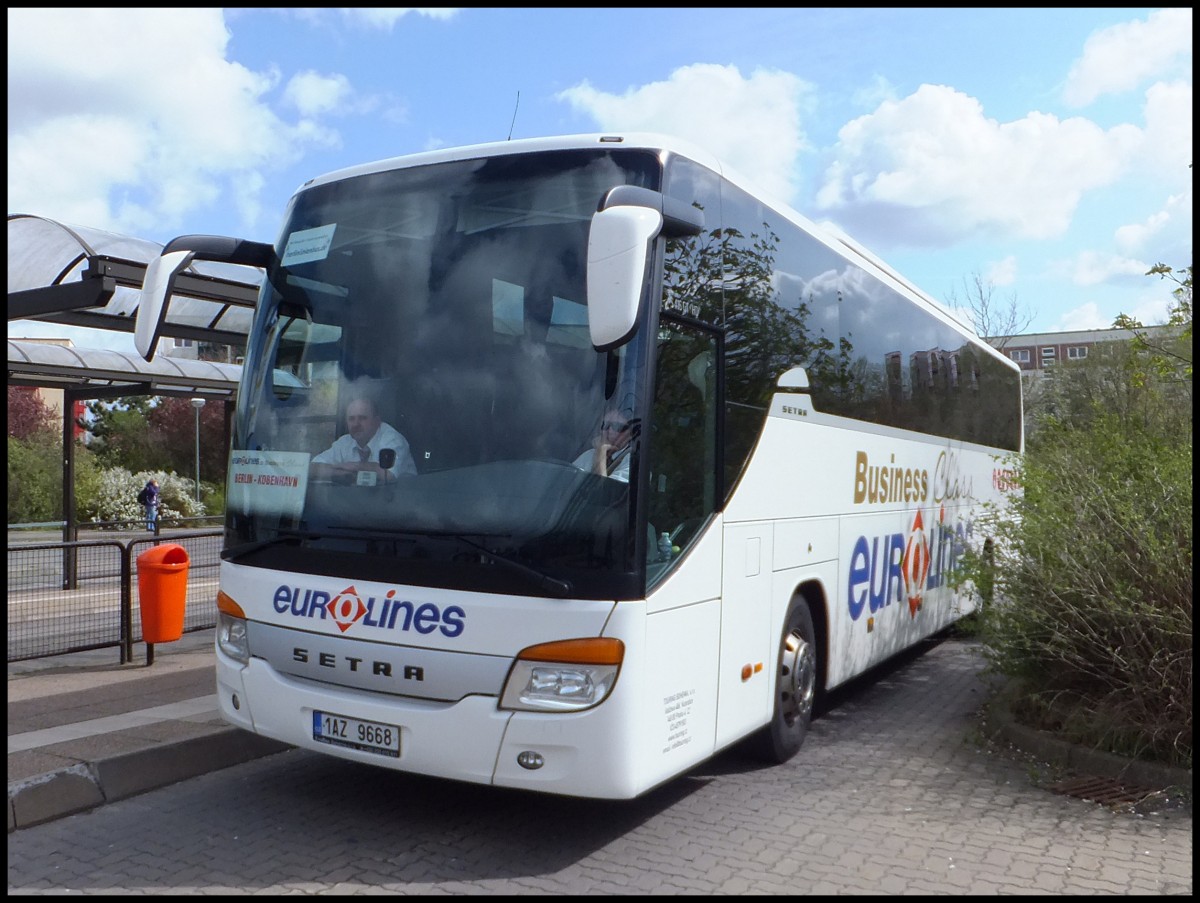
pixel 892 794
pixel 85 730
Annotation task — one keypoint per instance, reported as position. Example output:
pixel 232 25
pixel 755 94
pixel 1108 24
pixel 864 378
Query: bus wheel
pixel 795 689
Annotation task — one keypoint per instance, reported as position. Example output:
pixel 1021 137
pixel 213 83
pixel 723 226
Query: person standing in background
pixel 150 502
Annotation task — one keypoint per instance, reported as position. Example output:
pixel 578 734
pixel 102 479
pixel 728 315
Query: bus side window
pixel 683 482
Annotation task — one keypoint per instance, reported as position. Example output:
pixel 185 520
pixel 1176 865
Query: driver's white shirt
pixel 346 449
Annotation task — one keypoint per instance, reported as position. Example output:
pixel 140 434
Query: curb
pixel 1082 759
pixel 45 797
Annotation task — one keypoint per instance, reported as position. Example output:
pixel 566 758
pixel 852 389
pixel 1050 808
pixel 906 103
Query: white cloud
pixel 1002 272
pixel 1168 144
pixel 752 124
pixel 1137 235
pixel 54 165
pixel 247 187
pixel 1093 268
pixel 385 18
pixel 124 140
pixel 1086 316
pixel 1150 311
pixel 312 93
pixel 1149 306
pixel 1122 57
pixel 878 90
pixel 1165 235
pixel 933 169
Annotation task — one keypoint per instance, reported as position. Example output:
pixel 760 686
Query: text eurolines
pixel 347 609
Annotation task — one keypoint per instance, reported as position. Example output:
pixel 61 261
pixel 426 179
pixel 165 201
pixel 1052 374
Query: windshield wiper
pixel 283 536
pixel 551 585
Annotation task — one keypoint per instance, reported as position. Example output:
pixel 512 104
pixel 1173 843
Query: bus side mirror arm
pixel 680 220
pixel 177 255
pixel 628 219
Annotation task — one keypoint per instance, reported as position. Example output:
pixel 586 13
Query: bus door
pixel 685 443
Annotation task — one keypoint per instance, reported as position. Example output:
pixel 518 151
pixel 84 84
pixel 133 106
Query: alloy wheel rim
pixel 799 678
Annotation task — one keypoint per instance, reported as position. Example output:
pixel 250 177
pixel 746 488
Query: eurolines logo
pixel 348 608
pixel 895 567
pixel 915 564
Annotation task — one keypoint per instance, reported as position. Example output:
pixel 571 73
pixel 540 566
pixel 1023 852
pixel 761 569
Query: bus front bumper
pixel 575 754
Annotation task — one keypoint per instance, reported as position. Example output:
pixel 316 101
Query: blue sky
pixel 1044 153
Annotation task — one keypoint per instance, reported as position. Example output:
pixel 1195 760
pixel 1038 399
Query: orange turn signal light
pixel 584 651
pixel 227 605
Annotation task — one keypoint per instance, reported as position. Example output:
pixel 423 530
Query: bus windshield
pixel 436 317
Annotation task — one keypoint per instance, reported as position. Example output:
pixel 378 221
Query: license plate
pixel 368 736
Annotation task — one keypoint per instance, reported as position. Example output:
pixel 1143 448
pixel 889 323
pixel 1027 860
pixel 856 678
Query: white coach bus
pixel 797 443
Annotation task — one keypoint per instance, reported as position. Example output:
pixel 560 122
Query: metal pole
pixel 197 404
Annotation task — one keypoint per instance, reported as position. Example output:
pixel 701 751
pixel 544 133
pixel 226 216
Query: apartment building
pixel 1036 352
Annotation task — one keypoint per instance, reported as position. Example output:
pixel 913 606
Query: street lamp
pixel 197 403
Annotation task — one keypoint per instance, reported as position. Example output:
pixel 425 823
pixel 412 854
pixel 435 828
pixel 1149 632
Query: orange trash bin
pixel 162 592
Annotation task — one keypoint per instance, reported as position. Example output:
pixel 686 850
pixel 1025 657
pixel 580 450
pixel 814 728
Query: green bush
pixel 1093 611
pixel 35 480
pixel 213 496
pixel 1091 616
pixel 101 495
pixel 117 498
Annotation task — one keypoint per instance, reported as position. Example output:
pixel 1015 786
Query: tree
pixel 29 415
pixel 34 459
pixel 172 426
pixel 1169 355
pixel 158 434
pixel 116 496
pixel 121 434
pixel 35 464
pixel 991 317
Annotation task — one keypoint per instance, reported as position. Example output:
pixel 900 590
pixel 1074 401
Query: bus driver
pixel 358 448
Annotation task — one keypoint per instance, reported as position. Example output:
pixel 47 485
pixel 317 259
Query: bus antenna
pixel 514 119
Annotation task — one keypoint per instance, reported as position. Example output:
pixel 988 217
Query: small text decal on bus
pixel 876 483
pixel 879 483
pixel 347 608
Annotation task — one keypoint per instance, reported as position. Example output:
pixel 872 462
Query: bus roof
pixel 637 140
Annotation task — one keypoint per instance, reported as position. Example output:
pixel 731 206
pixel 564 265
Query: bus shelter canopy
pixel 89 278
pixel 79 276
pixel 94 372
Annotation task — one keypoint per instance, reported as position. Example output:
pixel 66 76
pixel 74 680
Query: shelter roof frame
pixel 77 276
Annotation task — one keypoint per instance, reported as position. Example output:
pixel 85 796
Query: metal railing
pixel 73 596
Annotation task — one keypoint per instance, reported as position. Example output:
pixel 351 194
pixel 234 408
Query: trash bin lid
pixel 166 554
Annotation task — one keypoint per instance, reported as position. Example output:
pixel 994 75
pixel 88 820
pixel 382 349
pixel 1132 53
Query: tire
pixel 795 689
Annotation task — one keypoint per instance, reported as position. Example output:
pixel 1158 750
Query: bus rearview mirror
pixel 618 247
pixel 158 285
pixel 157 288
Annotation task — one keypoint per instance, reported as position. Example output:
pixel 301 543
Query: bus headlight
pixel 564 676
pixel 231 630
